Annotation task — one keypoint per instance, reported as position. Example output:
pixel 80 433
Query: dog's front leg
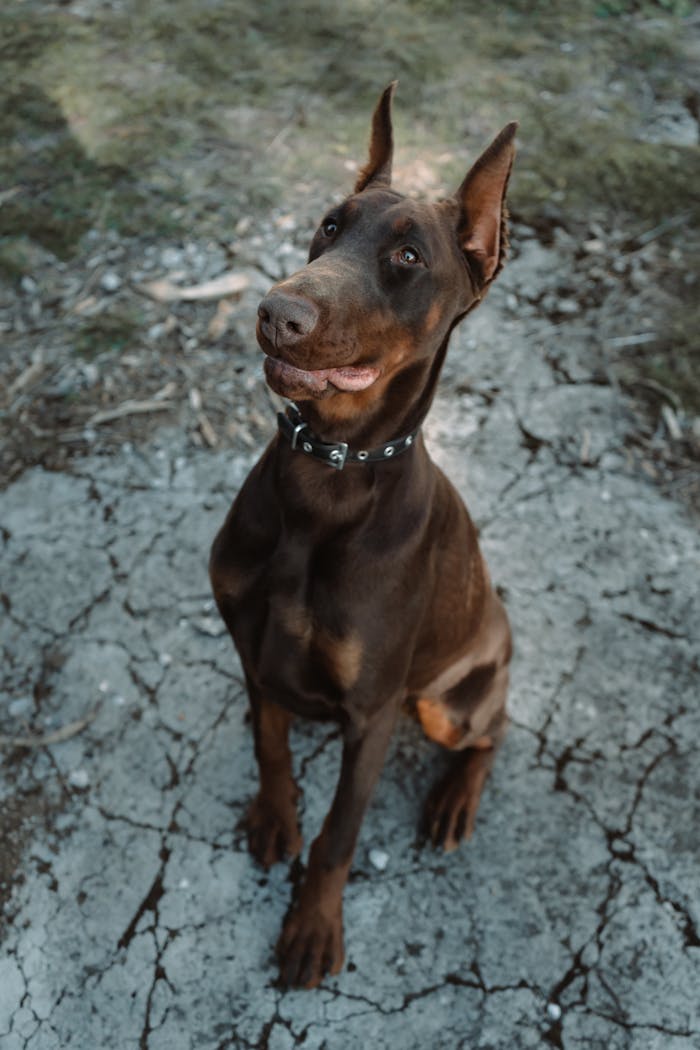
pixel 311 943
pixel 273 830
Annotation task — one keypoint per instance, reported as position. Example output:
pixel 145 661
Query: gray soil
pixel 132 914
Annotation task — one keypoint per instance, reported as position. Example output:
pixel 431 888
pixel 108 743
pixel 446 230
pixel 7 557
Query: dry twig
pixel 164 291
pixel 127 408
pixel 45 739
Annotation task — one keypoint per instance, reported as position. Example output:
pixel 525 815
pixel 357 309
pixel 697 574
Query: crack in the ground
pixel 565 678
pixel 654 628
pixel 633 1026
pixel 149 902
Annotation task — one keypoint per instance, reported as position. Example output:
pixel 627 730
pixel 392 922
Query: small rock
pixel 91 373
pixel 378 859
pixel 28 285
pixel 104 686
pixel 553 1011
pixel 110 281
pixel 567 307
pixel 170 258
pixel 79 778
pixel 20 706
pixel 212 626
pixel 165 659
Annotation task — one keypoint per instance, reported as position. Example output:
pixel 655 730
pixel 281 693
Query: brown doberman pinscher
pixel 348 570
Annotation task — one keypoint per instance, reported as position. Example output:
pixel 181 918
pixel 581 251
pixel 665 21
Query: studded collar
pixel 336 454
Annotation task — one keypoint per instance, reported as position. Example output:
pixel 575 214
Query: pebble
pixel 165 659
pixel 170 258
pixel 213 626
pixel 90 372
pixel 20 706
pixel 79 778
pixel 378 859
pixel 553 1011
pixel 110 281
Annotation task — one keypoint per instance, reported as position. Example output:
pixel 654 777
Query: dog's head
pixel 387 279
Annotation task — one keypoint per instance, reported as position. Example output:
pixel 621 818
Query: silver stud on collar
pixel 389 450
pixel 306 447
pixel 408 441
pixel 362 455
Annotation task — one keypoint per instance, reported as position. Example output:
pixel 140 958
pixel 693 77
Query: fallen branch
pixel 32 372
pixel 127 408
pixel 164 291
pixel 45 739
pixel 633 340
pixel 207 430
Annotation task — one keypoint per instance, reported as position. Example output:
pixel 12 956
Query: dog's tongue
pixel 347 378
pixel 351 377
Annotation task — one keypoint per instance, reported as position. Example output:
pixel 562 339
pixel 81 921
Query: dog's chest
pixel 297 631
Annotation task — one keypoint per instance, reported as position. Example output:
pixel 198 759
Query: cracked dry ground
pixel 133 915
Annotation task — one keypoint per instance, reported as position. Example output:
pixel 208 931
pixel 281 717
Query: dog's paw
pixel 310 946
pixel 273 831
pixel 452 805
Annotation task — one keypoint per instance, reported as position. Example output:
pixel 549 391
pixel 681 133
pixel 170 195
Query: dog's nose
pixel 287 319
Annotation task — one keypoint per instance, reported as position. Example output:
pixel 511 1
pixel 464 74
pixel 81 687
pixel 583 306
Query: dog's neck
pixel 400 411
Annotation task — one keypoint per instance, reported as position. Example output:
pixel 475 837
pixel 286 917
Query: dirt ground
pixel 182 142
pixel 160 166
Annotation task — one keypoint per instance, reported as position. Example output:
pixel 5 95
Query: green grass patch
pixel 105 119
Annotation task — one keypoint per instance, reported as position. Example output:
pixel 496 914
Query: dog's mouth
pixel 292 382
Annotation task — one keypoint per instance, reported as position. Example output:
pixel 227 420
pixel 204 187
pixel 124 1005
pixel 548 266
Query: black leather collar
pixel 336 454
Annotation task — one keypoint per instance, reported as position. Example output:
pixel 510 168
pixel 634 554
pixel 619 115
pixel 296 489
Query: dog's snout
pixel 286 319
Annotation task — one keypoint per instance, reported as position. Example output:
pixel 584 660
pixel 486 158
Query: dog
pixel 348 570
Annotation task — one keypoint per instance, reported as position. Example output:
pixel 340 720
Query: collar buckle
pixel 338 455
pixel 294 436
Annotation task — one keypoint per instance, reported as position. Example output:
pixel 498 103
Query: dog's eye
pixel 406 257
pixel 329 228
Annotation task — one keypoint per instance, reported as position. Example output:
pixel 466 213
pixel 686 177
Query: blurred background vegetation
pixel 184 117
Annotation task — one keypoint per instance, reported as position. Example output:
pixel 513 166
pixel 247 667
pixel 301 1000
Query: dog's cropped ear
pixel 482 228
pixel 377 170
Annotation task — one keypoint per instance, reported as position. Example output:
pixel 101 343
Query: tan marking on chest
pixel 229 584
pixel 296 621
pixel 341 656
